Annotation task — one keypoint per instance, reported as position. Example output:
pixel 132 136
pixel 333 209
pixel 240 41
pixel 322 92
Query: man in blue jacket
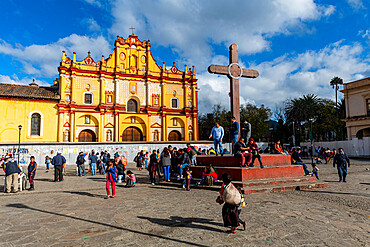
pixel 234 132
pixel 58 162
pixel 341 160
pixel 11 172
pixel 217 134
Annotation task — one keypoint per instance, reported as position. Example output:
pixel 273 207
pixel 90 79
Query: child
pixel 131 179
pixel 240 207
pixel 187 179
pixel 152 168
pixel 32 172
pixel 111 179
pixel 315 171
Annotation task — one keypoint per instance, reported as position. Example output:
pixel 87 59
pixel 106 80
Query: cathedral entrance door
pixel 87 136
pixel 174 136
pixel 132 134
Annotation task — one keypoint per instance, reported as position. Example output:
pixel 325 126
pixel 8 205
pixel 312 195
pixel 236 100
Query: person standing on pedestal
pixel 217 134
pixel 246 131
pixel 58 162
pixel 341 160
pixel 234 131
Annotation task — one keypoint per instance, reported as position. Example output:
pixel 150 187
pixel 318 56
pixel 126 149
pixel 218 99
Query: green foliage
pixel 257 116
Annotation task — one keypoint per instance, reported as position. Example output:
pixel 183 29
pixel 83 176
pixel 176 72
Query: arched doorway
pixel 87 136
pixel 132 106
pixel 132 134
pixel 174 136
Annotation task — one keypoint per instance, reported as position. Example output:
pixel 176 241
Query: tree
pixel 335 82
pixel 257 116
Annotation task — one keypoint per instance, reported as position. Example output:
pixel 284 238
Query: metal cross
pixel 234 71
pixel 132 29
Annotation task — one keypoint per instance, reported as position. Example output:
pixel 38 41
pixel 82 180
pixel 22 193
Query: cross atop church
pixel 234 71
pixel 132 29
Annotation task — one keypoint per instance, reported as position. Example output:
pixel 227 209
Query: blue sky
pixel 296 45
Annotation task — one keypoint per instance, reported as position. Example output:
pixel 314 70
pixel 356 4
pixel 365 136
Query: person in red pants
pixel 111 179
pixel 243 153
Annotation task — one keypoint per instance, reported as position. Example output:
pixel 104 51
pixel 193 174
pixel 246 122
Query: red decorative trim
pixel 66 125
pixel 109 125
pixel 156 125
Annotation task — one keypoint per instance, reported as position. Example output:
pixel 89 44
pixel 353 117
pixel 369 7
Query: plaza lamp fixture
pixel 311 120
pixel 19 141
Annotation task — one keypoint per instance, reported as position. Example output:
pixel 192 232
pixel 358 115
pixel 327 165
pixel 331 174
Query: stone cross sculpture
pixel 234 71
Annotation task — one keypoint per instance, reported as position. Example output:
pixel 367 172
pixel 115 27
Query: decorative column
pixel 185 95
pixel 73 126
pixel 116 127
pixel 148 129
pixel 101 126
pixel 164 127
pixel 102 90
pixel 60 125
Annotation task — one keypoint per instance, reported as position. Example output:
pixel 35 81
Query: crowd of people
pixel 173 162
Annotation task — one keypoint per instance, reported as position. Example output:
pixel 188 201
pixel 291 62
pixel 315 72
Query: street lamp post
pixel 311 120
pixel 293 135
pixel 19 141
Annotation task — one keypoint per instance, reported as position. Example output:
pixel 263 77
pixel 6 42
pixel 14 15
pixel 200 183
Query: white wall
pixel 354 148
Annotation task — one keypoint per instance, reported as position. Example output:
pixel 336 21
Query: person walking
pixel 246 131
pixel 12 171
pixel 58 162
pixel 341 160
pixel 153 166
pixel 111 179
pixel 165 159
pixel 94 160
pixel 231 198
pixel 47 163
pixel 217 134
pixel 81 164
pixel 234 132
pixel 32 172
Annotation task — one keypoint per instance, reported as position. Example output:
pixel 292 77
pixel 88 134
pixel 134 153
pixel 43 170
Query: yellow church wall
pixel 16 112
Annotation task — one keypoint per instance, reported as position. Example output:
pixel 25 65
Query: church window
pixel 68 97
pixel 132 105
pixel 66 136
pixel 143 59
pixel 132 119
pixel 109 136
pixel 109 98
pixel 156 101
pixel 35 124
pixel 190 136
pixel 87 119
pixel 175 122
pixel 88 98
pixel 174 103
pixel 122 66
pixel 156 135
pixel 122 56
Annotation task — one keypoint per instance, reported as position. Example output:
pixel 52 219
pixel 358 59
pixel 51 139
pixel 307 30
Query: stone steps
pixel 231 161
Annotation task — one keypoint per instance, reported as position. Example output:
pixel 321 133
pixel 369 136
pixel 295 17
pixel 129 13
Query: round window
pixel 122 56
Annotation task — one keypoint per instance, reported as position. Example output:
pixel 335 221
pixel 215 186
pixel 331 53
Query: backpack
pixel 192 152
pixel 208 180
pixel 80 160
pixel 231 195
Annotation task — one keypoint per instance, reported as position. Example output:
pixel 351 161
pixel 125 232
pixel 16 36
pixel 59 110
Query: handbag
pixel 231 195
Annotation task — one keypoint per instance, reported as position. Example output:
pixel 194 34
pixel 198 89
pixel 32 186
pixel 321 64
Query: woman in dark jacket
pixel 165 160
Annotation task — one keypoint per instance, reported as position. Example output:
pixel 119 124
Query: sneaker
pixel 183 186
pixel 188 189
pixel 107 197
pixel 178 178
pixel 261 166
pixel 243 226
pixel 153 183
pixel 182 177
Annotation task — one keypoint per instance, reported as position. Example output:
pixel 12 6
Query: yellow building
pixel 126 97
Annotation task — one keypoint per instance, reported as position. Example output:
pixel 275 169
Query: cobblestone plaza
pixel 74 213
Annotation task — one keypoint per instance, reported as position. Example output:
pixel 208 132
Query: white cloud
pixel 356 4
pixel 289 76
pixel 190 27
pixel 24 81
pixel 91 23
pixel 94 2
pixel 43 60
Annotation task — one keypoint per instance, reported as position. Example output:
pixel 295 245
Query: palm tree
pixel 335 82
